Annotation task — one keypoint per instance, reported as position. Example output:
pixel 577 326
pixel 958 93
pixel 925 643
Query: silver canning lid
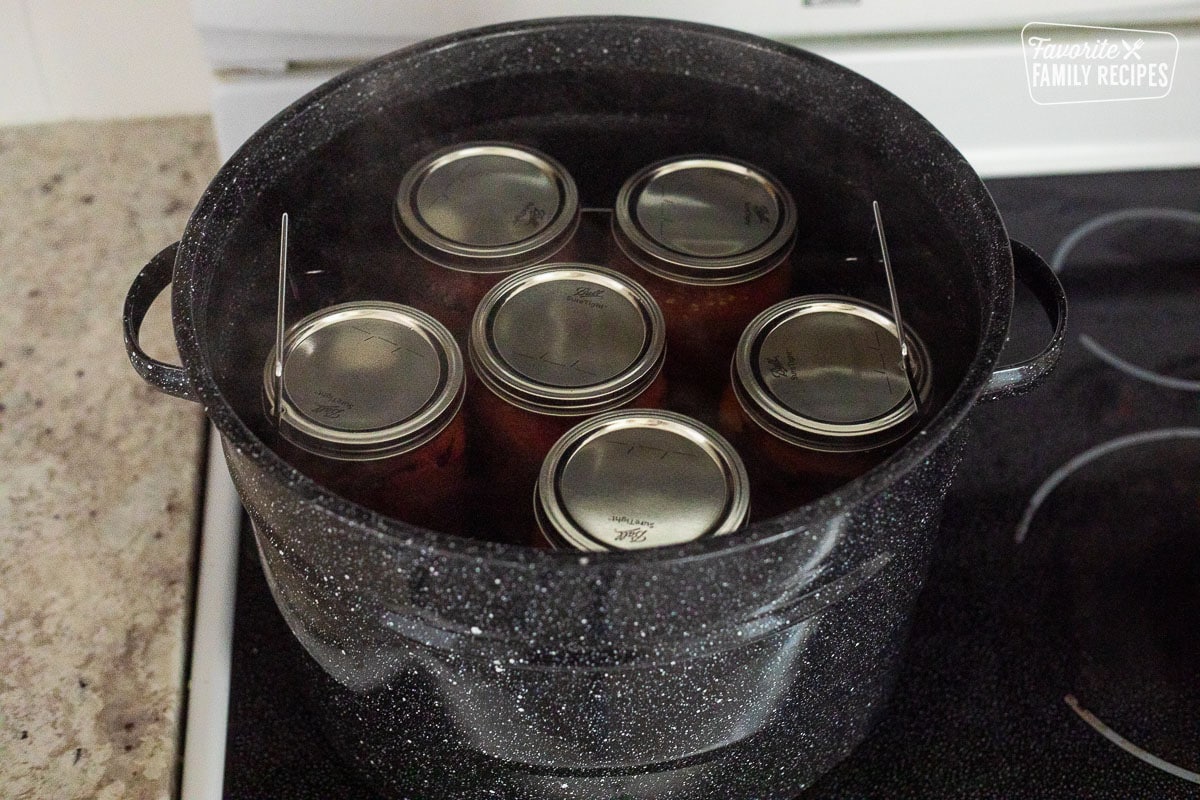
pixel 705 220
pixel 627 480
pixel 824 372
pixel 487 207
pixel 366 380
pixel 567 339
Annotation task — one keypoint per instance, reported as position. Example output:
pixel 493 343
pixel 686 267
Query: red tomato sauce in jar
pixel 549 347
pixel 471 214
pixel 711 239
pixel 372 396
pixel 818 395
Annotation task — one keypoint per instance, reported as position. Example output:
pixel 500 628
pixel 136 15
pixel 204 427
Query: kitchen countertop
pixel 99 487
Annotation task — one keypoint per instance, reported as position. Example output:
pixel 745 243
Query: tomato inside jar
pixel 371 409
pixel 820 393
pixel 632 479
pixel 551 346
pixel 711 239
pixel 471 214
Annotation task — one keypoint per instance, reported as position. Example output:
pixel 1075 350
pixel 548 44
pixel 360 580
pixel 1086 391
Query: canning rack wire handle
pixel 280 309
pixel 905 356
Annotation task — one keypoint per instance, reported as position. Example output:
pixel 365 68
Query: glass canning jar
pixel 372 395
pixel 472 213
pixel 711 239
pixel 819 394
pixel 638 478
pixel 551 346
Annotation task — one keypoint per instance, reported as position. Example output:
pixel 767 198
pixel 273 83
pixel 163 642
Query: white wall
pixel 98 59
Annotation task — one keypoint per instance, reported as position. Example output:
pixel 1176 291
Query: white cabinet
pixel 959 64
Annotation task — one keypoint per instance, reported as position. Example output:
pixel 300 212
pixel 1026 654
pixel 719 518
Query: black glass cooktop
pixel 1054 651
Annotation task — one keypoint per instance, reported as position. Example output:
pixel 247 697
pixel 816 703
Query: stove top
pixel 1053 652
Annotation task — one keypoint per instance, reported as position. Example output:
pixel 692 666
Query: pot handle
pixel 1035 274
pixel 146 287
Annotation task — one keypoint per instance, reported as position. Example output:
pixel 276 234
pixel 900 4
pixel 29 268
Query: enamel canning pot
pixel 740 666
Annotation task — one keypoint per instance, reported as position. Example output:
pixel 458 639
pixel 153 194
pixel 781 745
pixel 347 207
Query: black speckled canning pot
pixel 740 667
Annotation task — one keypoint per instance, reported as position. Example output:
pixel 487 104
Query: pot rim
pixel 952 169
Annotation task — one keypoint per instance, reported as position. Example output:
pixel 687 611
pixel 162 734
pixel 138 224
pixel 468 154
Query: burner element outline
pixel 1068 244
pixel 1128 746
pixel 1083 459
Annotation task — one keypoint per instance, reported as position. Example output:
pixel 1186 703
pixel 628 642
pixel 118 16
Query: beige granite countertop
pixel 98 472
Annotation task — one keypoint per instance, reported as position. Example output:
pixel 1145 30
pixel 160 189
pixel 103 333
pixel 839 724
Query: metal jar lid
pixel 632 479
pixel 705 220
pixel 366 380
pixel 825 372
pixel 487 207
pixel 567 339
